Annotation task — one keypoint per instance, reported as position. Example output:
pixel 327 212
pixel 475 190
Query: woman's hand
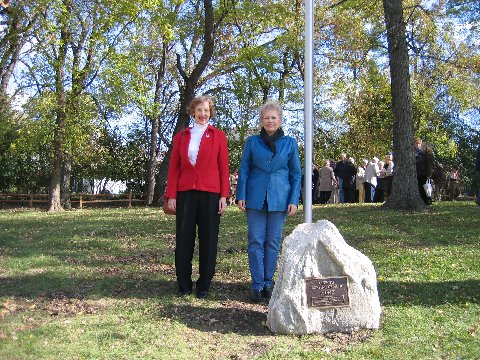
pixel 172 204
pixel 292 209
pixel 241 205
pixel 222 205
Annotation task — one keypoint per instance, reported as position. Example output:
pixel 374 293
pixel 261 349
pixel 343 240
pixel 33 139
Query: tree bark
pixel 405 194
pixel 187 93
pixel 155 120
pixel 66 183
pixel 152 161
pixel 54 201
pixel 82 71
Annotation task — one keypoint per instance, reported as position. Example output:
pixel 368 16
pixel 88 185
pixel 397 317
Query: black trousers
pixel 369 188
pixel 325 196
pixel 196 209
pixel 389 183
pixel 349 195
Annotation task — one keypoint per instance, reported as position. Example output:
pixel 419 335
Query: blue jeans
pixel 369 192
pixel 341 192
pixel 264 240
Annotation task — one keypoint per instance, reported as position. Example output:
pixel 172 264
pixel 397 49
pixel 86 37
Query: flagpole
pixel 308 111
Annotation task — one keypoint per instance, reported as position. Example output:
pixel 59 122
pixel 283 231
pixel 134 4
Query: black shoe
pixel 267 291
pixel 256 296
pixel 185 288
pixel 202 294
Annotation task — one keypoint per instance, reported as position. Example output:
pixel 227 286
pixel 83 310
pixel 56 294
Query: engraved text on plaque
pixel 327 292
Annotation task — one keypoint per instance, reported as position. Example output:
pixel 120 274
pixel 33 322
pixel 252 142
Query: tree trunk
pixel 54 201
pixel 161 180
pixel 155 119
pixel 187 93
pixel 405 194
pixel 152 161
pixel 65 184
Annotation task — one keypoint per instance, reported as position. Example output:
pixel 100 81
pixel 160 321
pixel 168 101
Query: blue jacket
pixel 278 178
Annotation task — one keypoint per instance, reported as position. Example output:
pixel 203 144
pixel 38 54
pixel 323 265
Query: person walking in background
pixel 314 185
pixel 454 183
pixel 379 196
pixel 388 178
pixel 197 188
pixel 315 181
pixel 327 182
pixel 424 167
pixel 360 179
pixel 268 190
pixel 334 198
pixel 371 173
pixel 340 173
pixel 349 172
pixel 418 148
pixel 439 179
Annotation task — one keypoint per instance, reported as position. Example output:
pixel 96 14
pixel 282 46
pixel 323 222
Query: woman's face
pixel 202 113
pixel 271 121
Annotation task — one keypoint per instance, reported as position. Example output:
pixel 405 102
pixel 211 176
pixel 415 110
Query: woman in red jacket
pixel 197 188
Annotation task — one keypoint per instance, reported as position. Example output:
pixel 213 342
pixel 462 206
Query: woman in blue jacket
pixel 268 189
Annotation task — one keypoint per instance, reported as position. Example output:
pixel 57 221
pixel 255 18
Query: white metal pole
pixel 308 107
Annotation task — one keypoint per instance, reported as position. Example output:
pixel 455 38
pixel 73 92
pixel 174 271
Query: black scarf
pixel 269 140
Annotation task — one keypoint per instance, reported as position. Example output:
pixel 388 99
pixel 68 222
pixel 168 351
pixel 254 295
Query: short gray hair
pixel 271 105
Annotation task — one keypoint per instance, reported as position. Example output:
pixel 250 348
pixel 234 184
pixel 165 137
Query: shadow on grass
pixel 115 286
pixel 131 285
pixel 429 293
pixel 227 310
pixel 127 285
pixel 225 319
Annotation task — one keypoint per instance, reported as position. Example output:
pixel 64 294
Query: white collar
pixel 198 127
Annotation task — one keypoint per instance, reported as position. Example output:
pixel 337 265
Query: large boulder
pixel 318 251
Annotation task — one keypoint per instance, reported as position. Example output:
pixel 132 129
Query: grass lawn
pixel 100 284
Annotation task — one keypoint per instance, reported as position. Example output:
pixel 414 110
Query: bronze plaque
pixel 327 292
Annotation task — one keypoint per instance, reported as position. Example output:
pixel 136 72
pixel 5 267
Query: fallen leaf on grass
pixel 10 306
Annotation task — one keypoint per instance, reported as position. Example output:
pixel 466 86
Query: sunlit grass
pixel 100 284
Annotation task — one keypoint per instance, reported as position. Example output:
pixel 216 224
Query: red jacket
pixel 210 173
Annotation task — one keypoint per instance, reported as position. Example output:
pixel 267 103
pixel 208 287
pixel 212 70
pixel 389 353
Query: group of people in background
pixel 345 182
pixel 371 180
